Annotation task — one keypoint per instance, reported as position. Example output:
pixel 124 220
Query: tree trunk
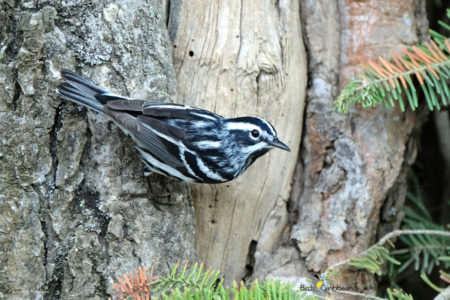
pixel 75 207
pixel 237 59
pixel 350 178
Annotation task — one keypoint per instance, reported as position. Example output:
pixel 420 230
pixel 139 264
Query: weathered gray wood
pixel 241 58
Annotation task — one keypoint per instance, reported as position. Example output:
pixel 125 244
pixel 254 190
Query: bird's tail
pixel 77 89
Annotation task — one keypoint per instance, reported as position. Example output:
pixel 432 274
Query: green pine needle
pixel 395 294
pixel 391 82
pixel 431 284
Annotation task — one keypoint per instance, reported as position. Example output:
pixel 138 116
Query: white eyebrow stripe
pixel 242 126
pixel 272 129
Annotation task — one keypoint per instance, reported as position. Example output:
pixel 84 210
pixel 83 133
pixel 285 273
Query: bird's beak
pixel 278 144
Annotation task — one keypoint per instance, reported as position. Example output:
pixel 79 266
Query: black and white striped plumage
pixel 190 144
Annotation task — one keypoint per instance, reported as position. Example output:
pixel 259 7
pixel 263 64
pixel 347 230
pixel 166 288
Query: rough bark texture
pixel 75 207
pixel 349 164
pixel 237 59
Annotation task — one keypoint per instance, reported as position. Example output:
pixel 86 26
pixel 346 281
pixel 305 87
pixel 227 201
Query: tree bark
pixel 350 178
pixel 75 208
pixel 237 59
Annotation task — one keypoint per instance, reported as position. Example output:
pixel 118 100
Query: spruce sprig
pixel 394 80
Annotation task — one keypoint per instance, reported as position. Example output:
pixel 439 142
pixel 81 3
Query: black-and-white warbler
pixel 187 143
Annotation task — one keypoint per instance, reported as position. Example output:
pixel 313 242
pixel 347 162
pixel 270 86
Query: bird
pixel 179 141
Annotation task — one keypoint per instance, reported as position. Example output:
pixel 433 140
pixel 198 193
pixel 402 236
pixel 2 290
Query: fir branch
pixel 386 239
pixel 425 251
pixel 398 294
pixel 397 233
pixel 194 279
pixel 390 81
pixel 135 287
pixel 418 248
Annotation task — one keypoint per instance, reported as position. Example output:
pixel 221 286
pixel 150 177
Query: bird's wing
pixel 127 105
pixel 177 111
pixel 183 122
pixel 160 110
pixel 159 138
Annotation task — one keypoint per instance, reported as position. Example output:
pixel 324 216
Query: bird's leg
pixel 157 191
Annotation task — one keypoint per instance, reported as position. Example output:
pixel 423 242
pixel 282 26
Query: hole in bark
pixel 191 53
pixel 250 260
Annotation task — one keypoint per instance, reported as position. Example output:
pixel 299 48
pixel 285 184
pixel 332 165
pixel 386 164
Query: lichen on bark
pixel 76 210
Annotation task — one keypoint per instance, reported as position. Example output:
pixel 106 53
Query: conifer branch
pixel 135 286
pixel 394 80
pixel 374 252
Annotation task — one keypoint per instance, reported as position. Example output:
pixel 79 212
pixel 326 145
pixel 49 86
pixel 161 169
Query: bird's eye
pixel 255 133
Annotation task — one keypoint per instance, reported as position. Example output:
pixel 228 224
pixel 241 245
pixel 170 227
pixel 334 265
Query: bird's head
pixel 254 137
